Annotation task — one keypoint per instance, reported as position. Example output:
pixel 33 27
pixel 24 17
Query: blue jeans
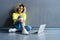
pixel 19 25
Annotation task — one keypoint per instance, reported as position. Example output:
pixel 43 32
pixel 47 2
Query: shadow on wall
pixel 9 22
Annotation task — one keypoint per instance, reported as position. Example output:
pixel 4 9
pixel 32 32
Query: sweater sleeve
pixel 14 17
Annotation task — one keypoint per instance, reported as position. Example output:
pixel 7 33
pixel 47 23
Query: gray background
pixel 38 12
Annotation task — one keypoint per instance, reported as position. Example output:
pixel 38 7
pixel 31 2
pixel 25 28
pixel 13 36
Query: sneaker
pixel 24 31
pixel 12 30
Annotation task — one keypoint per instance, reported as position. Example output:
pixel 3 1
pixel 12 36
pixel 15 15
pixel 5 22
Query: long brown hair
pixel 18 6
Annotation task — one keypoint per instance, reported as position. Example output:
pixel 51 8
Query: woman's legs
pixel 28 28
pixel 18 26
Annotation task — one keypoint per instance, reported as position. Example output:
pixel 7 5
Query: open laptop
pixel 41 29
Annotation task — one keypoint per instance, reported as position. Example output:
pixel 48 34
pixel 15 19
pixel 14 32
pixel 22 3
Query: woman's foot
pixel 24 31
pixel 12 30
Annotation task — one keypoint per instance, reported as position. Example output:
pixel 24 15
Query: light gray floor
pixel 46 35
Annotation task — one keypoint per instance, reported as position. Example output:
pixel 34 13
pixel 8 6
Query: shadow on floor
pixel 5 30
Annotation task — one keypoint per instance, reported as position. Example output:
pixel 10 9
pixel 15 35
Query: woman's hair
pixel 18 6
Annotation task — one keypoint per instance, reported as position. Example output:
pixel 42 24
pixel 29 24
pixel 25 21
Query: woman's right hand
pixel 20 20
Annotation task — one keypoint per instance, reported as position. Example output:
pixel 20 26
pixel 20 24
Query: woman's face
pixel 21 9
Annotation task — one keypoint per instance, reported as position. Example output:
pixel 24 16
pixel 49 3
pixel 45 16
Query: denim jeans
pixel 19 25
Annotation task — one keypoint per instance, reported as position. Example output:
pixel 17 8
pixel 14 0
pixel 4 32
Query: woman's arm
pixel 15 18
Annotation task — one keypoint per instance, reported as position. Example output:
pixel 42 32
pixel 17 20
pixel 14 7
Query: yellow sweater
pixel 15 16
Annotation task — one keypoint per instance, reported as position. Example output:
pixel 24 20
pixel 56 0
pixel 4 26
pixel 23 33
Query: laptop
pixel 41 29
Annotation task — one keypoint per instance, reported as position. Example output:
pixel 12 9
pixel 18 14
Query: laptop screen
pixel 41 28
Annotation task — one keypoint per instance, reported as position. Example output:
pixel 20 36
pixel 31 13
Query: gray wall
pixel 38 12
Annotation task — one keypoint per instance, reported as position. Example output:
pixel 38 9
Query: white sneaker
pixel 12 30
pixel 24 31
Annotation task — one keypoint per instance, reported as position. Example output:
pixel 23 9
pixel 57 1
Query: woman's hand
pixel 21 20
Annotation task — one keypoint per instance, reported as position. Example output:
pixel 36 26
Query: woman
pixel 19 18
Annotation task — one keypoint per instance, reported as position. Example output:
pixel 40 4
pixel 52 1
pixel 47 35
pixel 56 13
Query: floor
pixel 48 34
